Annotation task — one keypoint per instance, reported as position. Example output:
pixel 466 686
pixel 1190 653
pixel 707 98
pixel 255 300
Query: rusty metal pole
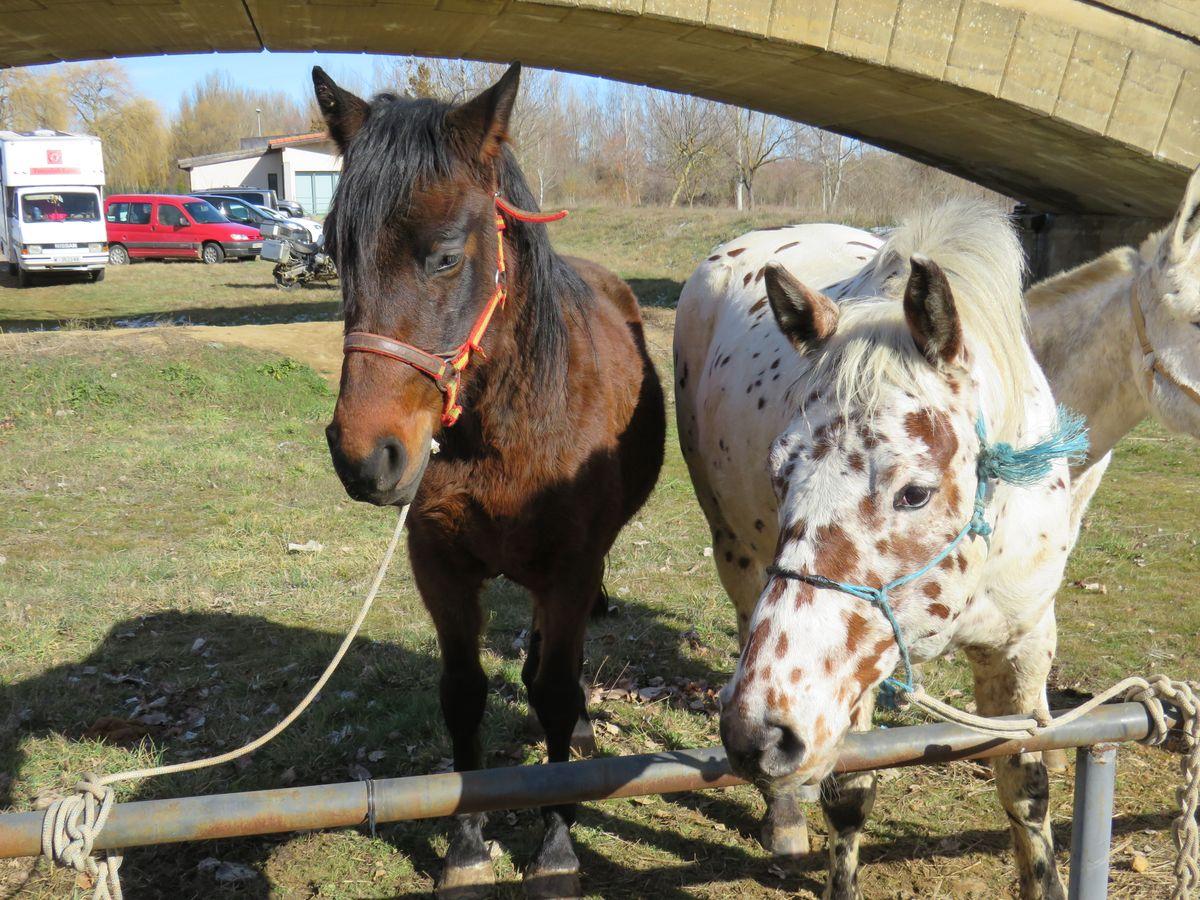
pixel 1091 825
pixel 427 796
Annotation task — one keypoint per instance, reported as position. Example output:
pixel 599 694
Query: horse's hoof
pixel 1055 760
pixel 783 841
pixel 549 884
pixel 474 882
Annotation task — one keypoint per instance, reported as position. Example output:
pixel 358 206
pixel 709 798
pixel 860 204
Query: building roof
pixel 275 143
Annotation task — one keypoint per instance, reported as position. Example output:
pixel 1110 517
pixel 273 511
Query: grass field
pixel 149 609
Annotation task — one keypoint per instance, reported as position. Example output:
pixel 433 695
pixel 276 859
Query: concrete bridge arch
pixel 1076 106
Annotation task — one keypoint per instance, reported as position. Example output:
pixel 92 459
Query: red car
pixel 165 226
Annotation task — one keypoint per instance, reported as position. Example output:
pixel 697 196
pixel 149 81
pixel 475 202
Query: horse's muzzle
pixel 760 750
pixel 377 478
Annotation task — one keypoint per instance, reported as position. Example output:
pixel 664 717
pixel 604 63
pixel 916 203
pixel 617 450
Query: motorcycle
pixel 297 262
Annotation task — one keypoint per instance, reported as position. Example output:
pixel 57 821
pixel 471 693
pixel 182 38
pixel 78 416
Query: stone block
pixel 981 46
pixel 862 29
pixel 1037 63
pixel 803 22
pixel 923 36
pixel 1094 75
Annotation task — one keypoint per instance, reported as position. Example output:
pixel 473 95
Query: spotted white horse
pixel 836 443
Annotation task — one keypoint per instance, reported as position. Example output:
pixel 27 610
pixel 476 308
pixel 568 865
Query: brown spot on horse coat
pixel 868 509
pixel 781 646
pixel 932 427
pixel 757 638
pixel 836 553
pixel 939 610
pixel 776 591
pixel 736 252
pixel 758 304
pixel 787 246
pixel 932 590
pixel 856 630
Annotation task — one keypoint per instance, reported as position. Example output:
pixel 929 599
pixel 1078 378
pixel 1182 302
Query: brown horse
pixel 550 438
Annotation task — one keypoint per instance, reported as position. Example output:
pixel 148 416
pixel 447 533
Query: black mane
pixel 404 144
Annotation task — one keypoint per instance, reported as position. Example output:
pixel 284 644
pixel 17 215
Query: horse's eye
pixel 443 262
pixel 914 496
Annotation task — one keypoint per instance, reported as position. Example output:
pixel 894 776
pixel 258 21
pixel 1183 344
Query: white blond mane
pixel 976 246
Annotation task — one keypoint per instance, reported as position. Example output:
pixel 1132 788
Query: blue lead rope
pixel 996 462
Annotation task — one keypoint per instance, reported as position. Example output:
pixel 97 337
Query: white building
pixel 300 167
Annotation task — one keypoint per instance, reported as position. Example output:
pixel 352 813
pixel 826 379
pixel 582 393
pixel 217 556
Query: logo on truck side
pixel 54 157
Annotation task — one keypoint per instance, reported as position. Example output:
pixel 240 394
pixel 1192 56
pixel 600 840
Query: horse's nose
pixel 384 467
pixel 375 478
pixel 770 747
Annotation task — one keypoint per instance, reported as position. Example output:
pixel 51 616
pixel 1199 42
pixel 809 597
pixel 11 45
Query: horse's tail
pixel 601 606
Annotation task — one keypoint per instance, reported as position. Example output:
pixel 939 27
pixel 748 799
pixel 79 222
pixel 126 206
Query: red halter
pixel 445 369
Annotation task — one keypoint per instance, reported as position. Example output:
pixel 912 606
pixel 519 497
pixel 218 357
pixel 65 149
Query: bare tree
pixel 753 140
pixel 216 113
pixel 687 130
pixel 833 155
pixel 96 89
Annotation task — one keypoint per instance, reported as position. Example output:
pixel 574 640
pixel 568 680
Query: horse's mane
pixel 976 246
pixel 404 144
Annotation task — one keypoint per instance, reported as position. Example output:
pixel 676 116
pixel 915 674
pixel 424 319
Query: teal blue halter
pixel 999 462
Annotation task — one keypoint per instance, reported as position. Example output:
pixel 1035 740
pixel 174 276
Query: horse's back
pixel 734 371
pixel 608 287
pixel 617 338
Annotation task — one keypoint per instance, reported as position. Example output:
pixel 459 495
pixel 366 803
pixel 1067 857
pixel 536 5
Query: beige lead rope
pixel 1151 693
pixel 72 823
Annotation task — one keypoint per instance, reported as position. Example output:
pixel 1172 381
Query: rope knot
pixel 1029 465
pixel 69 832
pixel 979 525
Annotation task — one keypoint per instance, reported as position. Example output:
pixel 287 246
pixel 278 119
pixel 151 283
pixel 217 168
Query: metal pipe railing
pixel 427 796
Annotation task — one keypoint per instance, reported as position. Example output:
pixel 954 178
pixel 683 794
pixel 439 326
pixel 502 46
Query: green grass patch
pixel 150 610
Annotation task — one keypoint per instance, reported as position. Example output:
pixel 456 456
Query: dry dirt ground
pixel 316 344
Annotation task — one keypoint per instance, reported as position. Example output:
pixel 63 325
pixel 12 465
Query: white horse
pixel 1119 339
pixel 833 448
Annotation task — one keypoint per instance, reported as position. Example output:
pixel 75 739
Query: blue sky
pixel 166 78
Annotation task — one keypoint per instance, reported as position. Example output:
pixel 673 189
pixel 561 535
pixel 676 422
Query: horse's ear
pixel 344 113
pixel 1186 225
pixel 804 316
pixel 931 313
pixel 482 122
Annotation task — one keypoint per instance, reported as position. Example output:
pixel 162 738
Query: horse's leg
pixel 452 597
pixel 1006 683
pixel 847 801
pixel 583 738
pixel 558 699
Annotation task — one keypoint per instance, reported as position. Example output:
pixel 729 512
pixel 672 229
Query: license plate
pixel 256 246
pixel 67 260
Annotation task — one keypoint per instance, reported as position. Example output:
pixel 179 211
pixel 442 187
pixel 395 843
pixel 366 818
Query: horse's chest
pixel 525 520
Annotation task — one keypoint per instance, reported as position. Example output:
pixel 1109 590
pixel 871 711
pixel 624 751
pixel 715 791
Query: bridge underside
pixel 1072 105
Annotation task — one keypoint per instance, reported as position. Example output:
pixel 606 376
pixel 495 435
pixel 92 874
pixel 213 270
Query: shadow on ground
pixel 662 293
pixel 194 701
pixel 149 680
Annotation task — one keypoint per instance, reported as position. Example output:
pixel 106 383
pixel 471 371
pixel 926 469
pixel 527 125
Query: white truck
pixel 51 215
